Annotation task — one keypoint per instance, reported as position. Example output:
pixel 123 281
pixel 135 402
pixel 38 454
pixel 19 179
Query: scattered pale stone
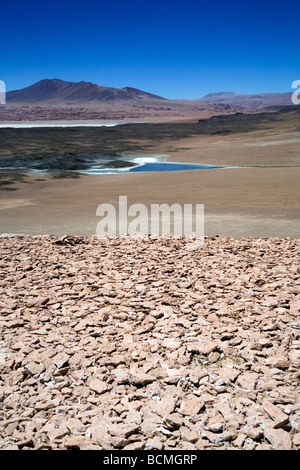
pixel 165 406
pixel 100 434
pixel 171 344
pixel 80 443
pixel 190 436
pixel 97 385
pixel 212 437
pixel 294 357
pixel 134 446
pixel 74 425
pixel 279 417
pixel 173 376
pixel 124 430
pixel 191 407
pixel 202 347
pixel 121 375
pixel 140 378
pixel 229 435
pixel 280 362
pixel 57 433
pixel 216 427
pixel 296 439
pixel 60 360
pixel 201 444
pixel 247 380
pixel 154 444
pixel 240 439
pixel 213 357
pixel 278 438
pixel 263 446
pixel 255 433
pixel 173 421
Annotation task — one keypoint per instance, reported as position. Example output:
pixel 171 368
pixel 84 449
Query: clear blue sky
pixel 177 49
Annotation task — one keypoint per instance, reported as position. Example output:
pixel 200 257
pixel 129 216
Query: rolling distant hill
pixel 55 99
pixel 55 91
pixel 248 101
pixel 60 91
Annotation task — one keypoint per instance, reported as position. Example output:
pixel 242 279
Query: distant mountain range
pixel 55 91
pixel 58 91
pixel 263 100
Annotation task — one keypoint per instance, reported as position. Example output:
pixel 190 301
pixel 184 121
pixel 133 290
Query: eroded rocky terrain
pixel 150 344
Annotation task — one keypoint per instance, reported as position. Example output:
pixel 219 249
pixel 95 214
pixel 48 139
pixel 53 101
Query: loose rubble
pixel 118 343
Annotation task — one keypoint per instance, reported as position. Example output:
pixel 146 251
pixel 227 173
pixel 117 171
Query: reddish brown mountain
pixel 59 91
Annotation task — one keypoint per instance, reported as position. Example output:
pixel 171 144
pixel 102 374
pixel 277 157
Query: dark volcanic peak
pixel 60 91
pixel 136 93
pixel 42 90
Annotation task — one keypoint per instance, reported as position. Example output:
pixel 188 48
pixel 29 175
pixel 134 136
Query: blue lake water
pixel 150 164
pixel 143 164
pixel 157 166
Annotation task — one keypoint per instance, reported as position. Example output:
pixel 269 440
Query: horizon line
pixel 124 87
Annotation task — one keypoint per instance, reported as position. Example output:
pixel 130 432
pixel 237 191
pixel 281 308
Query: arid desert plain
pixel 258 197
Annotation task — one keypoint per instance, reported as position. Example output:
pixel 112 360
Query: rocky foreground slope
pixel 118 343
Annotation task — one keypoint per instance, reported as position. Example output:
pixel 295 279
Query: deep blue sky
pixel 177 49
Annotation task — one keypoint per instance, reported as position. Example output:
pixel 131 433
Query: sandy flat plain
pixel 261 199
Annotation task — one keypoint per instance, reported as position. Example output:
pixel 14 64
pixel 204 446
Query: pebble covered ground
pixel 118 343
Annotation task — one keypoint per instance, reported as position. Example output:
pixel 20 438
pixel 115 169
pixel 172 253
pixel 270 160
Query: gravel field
pixel 150 344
